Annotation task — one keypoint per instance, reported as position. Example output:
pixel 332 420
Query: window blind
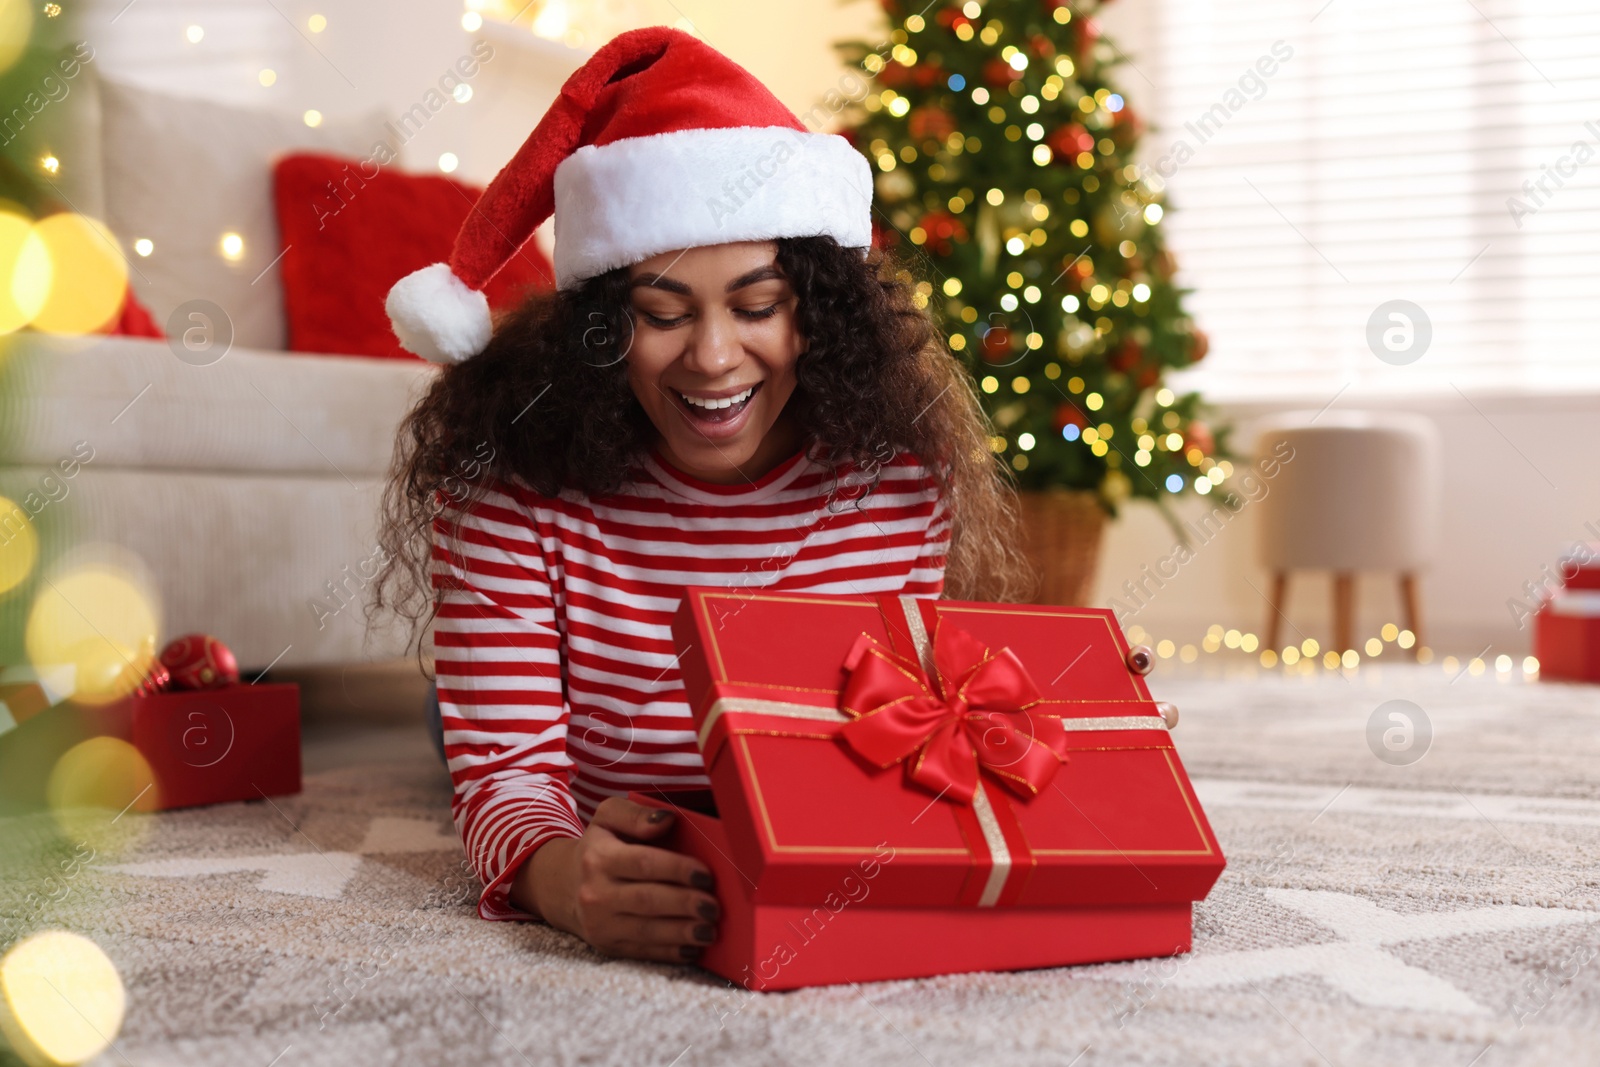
pixel 1324 158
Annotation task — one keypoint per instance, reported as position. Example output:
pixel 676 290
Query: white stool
pixel 1360 493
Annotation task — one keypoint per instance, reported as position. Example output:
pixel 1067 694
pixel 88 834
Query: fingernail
pixel 659 815
pixel 708 911
pixel 701 880
pixel 704 932
pixel 689 952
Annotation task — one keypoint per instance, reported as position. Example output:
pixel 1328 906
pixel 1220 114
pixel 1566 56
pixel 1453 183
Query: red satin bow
pixel 974 713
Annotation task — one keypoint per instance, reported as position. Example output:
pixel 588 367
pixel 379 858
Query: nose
pixel 714 346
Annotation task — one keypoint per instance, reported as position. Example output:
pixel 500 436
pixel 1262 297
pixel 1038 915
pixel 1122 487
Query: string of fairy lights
pixel 1309 657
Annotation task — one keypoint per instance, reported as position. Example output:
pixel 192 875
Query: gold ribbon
pixel 993 838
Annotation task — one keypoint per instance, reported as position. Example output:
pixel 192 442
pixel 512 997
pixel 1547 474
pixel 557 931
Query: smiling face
pixel 713 358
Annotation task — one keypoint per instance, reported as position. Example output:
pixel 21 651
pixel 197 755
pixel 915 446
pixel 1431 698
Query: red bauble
pixel 1067 414
pixel 931 121
pixel 927 75
pixel 158 680
pixel 894 76
pixel 200 661
pixel 1148 377
pixel 1199 436
pixel 943 232
pixel 999 73
pixel 1067 141
pixel 951 18
pixel 997 344
pixel 1126 357
pixel 1202 345
pixel 1126 125
pixel 884 236
pixel 1042 46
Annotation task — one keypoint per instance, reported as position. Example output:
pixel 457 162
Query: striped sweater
pixel 557 673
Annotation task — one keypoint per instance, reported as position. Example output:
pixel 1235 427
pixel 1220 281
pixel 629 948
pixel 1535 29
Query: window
pixel 1322 159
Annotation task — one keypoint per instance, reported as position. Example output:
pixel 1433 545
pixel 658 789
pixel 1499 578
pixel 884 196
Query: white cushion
pixel 251 411
pixel 183 172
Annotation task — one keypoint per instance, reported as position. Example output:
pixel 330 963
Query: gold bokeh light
pixel 61 999
pixel 83 250
pixel 19 546
pixel 99 618
pixel 25 272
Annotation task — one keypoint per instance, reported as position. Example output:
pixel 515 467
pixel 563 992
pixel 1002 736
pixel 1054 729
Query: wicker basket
pixel 1063 529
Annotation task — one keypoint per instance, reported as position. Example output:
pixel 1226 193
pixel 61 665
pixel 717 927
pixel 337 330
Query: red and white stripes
pixel 558 679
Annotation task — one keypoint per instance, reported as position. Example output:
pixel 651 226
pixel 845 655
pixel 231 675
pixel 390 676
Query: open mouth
pixel 722 409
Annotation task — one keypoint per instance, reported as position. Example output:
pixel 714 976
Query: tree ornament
pixel 894 76
pixel 157 680
pixel 1198 435
pixel 943 232
pixel 1199 346
pixel 931 121
pixel 1126 126
pixel 1068 414
pixel 1067 141
pixel 200 661
pixel 999 74
pixel 1126 356
pixel 895 186
pixel 996 344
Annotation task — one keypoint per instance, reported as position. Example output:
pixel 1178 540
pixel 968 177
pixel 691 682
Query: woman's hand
pixel 623 898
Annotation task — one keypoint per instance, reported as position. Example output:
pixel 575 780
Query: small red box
pixel 212 746
pixel 1580 568
pixel 1566 637
pixel 1083 842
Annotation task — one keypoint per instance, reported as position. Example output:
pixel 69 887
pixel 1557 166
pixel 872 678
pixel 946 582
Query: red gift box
pixel 212 746
pixel 1580 568
pixel 1566 637
pixel 851 832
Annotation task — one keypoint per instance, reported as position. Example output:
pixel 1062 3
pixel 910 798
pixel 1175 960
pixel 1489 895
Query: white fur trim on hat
pixel 623 202
pixel 438 316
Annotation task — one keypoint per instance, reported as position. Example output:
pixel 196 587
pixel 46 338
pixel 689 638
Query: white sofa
pixel 248 488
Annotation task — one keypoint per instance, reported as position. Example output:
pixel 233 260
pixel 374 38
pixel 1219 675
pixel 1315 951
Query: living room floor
pixel 1441 910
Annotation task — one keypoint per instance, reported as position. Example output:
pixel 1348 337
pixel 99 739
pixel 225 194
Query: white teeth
pixel 713 405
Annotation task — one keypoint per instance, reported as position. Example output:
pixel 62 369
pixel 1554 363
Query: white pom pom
pixel 438 316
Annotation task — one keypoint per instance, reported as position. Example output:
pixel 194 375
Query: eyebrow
pixel 672 285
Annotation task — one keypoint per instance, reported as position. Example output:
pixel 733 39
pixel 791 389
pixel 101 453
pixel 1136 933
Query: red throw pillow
pixel 133 320
pixel 351 229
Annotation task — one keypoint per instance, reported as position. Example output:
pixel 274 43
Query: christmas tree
pixel 1004 160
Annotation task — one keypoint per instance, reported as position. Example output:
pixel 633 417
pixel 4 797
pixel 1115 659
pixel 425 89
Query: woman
pixel 726 389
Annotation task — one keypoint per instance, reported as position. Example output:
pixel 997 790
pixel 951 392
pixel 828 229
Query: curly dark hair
pixel 875 376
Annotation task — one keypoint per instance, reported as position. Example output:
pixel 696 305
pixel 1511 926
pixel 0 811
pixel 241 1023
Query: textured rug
pixel 1422 890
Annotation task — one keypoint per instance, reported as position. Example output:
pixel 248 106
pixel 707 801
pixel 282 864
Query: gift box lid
pixel 976 754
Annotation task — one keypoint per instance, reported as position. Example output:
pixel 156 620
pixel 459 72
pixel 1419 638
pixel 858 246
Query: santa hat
pixel 658 142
